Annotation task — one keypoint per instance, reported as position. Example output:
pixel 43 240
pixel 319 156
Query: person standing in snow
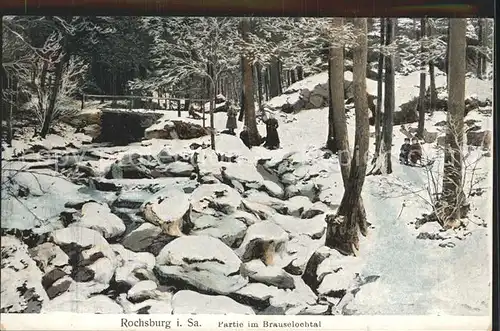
pixel 405 151
pixel 272 138
pixel 415 151
pixel 231 123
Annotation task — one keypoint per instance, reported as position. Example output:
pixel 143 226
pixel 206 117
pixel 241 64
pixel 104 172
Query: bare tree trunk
pixel 280 77
pixel 300 73
pixel 479 56
pixel 49 112
pixel 250 119
pixel 432 78
pixel 212 106
pixel 421 97
pixel 274 81
pixel 388 101
pixel 241 116
pixel 293 76
pixel 342 230
pixel 259 83
pixel 378 117
pixel 266 84
pixel 453 194
pixel 333 60
pixel 484 43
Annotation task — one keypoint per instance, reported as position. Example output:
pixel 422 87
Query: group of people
pixel 271 141
pixel 410 153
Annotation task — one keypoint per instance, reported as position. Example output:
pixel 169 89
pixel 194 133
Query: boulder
pixel 257 271
pixel 228 229
pixel 264 240
pixel 480 139
pixel 203 262
pixel 141 238
pixel 132 267
pixel 215 198
pixel 175 129
pixel 21 284
pixel 99 217
pixel 169 209
pixel 142 290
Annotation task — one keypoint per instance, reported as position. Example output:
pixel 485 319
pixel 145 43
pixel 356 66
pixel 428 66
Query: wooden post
pixel 130 104
pixel 83 100
pixel 179 108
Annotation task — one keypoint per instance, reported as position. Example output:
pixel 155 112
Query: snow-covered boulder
pixel 203 262
pixel 264 240
pixel 314 227
pixel 132 266
pixel 190 302
pixel 141 238
pixel 94 262
pixel 257 271
pixel 169 209
pixel 174 129
pixel 212 198
pixel 142 290
pixel 228 229
pixel 99 217
pixel 21 284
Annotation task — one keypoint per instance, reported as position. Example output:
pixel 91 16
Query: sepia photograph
pixel 247 165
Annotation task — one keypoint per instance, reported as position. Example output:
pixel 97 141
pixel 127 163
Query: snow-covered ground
pixel 409 276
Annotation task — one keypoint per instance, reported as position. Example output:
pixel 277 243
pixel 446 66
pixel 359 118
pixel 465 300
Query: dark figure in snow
pixel 272 138
pixel 231 123
pixel 415 151
pixel 405 151
pixel 245 137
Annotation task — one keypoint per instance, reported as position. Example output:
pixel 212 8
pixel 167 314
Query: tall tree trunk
pixel 333 60
pixel 280 77
pixel 49 112
pixel 421 97
pixel 453 194
pixel 300 73
pixel 432 77
pixel 250 119
pixel 484 43
pixel 342 230
pixel 293 76
pixel 266 84
pixel 259 83
pixel 388 100
pixel 274 81
pixel 380 75
pixel 288 78
pixel 241 116
pixel 478 52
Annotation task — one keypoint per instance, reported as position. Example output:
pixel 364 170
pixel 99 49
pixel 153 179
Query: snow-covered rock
pixel 257 271
pixel 314 227
pixel 203 262
pixel 21 284
pixel 210 198
pixel 228 229
pixel 264 240
pixel 143 290
pixel 49 256
pixel 99 217
pixel 142 237
pixel 169 209
pixel 190 302
pixel 132 267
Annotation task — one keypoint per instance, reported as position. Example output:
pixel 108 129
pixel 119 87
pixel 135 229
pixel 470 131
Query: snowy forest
pixel 246 165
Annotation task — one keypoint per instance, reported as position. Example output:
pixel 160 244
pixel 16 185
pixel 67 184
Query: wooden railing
pixel 172 103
